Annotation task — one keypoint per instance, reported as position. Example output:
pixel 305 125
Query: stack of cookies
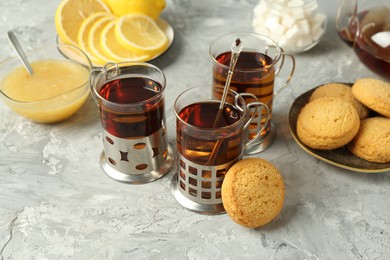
pixel 358 117
pixel 337 115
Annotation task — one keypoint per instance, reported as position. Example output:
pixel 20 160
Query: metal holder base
pixel 138 178
pixel 263 143
pixel 209 209
pixel 198 187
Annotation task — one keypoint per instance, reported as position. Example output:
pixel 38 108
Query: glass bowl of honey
pixel 57 88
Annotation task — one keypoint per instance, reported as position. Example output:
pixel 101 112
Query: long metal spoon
pixel 236 50
pixel 15 43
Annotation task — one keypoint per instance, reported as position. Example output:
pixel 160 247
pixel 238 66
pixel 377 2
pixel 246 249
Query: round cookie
pixel 373 93
pixel 253 192
pixel 327 123
pixel 342 91
pixel 372 142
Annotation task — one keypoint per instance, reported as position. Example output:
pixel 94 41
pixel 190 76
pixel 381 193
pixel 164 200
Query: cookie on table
pixel 372 142
pixel 253 192
pixel 327 123
pixel 373 93
pixel 342 91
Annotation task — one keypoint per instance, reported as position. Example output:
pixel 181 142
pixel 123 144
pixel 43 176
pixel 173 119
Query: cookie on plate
pixel 253 192
pixel 373 93
pixel 327 123
pixel 342 91
pixel 372 142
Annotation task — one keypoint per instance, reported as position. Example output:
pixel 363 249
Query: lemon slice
pixel 114 50
pixel 94 38
pixel 70 14
pixel 141 34
pixel 82 37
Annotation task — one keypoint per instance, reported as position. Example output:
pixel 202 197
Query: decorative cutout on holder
pixel 124 156
pixel 182 185
pixel 192 170
pixel 141 167
pixel 111 161
pixel 192 181
pixel 139 146
pixel 193 192
pixel 182 175
pixel 109 140
pixel 221 173
pixel 155 151
pixel 206 174
pixel 206 195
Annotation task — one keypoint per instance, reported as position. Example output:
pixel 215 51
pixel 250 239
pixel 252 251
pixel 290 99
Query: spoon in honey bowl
pixel 15 44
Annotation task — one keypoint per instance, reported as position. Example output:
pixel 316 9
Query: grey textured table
pixel 56 203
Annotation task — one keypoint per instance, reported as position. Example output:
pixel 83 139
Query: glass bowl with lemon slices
pixel 57 89
pixel 114 31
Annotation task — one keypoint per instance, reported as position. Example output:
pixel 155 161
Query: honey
pixel 55 91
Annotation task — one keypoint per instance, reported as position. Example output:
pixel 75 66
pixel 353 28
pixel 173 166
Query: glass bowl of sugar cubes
pixel 296 25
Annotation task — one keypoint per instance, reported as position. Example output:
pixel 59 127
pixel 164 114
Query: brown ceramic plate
pixel 340 157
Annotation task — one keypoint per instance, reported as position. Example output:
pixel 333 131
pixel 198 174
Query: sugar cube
pixel 318 20
pixel 303 26
pixel 271 22
pixel 292 33
pixel 382 39
pixel 297 13
pixel 288 20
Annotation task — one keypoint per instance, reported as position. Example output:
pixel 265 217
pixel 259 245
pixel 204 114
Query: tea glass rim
pixel 207 129
pixel 255 35
pixel 103 70
pixel 58 46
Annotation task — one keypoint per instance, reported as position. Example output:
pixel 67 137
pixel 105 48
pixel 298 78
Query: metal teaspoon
pixel 15 43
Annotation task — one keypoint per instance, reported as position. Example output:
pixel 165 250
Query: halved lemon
pixel 114 50
pixel 140 33
pixel 152 8
pixel 94 38
pixel 82 37
pixel 70 14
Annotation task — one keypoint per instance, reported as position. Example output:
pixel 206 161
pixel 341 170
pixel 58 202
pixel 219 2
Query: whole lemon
pixel 152 8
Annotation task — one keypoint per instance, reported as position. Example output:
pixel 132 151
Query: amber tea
pixel 136 123
pixel 253 74
pixel 209 149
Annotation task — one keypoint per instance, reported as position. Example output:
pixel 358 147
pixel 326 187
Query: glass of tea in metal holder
pixel 260 61
pixel 207 147
pixel 130 97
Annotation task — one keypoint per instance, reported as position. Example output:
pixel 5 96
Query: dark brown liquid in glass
pixel 253 74
pixel 372 55
pixel 196 146
pixel 136 122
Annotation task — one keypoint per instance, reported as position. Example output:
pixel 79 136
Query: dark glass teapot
pixel 366 28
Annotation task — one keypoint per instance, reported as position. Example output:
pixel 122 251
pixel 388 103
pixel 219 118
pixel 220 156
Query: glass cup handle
pixel 289 76
pixel 259 108
pixel 109 71
pixel 93 77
